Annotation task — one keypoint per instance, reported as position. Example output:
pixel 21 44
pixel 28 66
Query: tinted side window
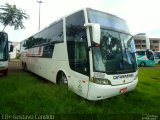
pixel 23 45
pixel 56 32
pixel 158 54
pixel 149 55
pixel 48 51
pixel 53 33
pixel 43 37
pixel 141 52
pixel 77 43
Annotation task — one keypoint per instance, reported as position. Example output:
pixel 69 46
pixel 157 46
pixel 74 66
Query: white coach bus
pixel 90 51
pixel 3 53
pixel 5 47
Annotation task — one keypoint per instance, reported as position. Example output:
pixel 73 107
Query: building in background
pixel 143 42
pixel 16 50
pixel 155 44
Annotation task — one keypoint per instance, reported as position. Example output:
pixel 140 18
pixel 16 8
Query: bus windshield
pixel 116 53
pixel 3 46
pixel 107 20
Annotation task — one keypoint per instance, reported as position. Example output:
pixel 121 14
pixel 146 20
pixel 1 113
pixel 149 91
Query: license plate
pixel 123 90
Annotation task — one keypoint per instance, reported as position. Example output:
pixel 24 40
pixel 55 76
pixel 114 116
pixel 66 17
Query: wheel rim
pixel 63 79
pixel 142 64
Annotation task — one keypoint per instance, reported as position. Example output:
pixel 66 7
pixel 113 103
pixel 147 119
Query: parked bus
pixel 91 51
pixel 3 53
pixel 146 58
pixel 157 57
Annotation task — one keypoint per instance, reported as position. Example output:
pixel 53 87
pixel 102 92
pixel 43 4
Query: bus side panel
pixel 47 67
pixel 81 83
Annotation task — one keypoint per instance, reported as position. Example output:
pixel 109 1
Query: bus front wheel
pixel 61 78
pixel 142 64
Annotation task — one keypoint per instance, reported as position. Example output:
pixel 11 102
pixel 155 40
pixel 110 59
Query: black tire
pixel 158 62
pixel 142 64
pixel 25 67
pixel 5 73
pixel 61 78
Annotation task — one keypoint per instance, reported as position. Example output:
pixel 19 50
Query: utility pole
pixel 39 13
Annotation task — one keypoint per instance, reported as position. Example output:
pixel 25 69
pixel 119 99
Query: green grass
pixel 27 94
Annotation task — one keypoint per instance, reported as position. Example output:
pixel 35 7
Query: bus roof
pixel 84 9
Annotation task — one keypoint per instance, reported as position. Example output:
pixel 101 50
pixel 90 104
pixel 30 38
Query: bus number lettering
pixel 122 76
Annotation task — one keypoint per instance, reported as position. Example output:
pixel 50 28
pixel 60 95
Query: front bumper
pixel 98 92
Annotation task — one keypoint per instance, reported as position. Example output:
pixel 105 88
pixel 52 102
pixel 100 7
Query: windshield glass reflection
pixel 3 46
pixel 116 53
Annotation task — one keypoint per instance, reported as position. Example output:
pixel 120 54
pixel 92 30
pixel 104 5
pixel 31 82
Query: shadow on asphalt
pixel 14 67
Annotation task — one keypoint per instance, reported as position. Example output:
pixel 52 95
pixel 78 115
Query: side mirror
pixel 11 48
pixel 95 31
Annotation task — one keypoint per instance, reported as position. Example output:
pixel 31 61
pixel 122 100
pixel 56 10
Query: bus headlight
pixel 101 81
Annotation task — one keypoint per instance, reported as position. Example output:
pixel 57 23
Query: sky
pixel 142 16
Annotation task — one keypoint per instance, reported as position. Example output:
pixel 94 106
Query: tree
pixel 12 16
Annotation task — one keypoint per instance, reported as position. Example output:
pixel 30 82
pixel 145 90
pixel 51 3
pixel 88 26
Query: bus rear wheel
pixel 6 73
pixel 142 64
pixel 24 66
pixel 61 78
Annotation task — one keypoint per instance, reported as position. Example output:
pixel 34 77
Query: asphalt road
pixel 14 67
